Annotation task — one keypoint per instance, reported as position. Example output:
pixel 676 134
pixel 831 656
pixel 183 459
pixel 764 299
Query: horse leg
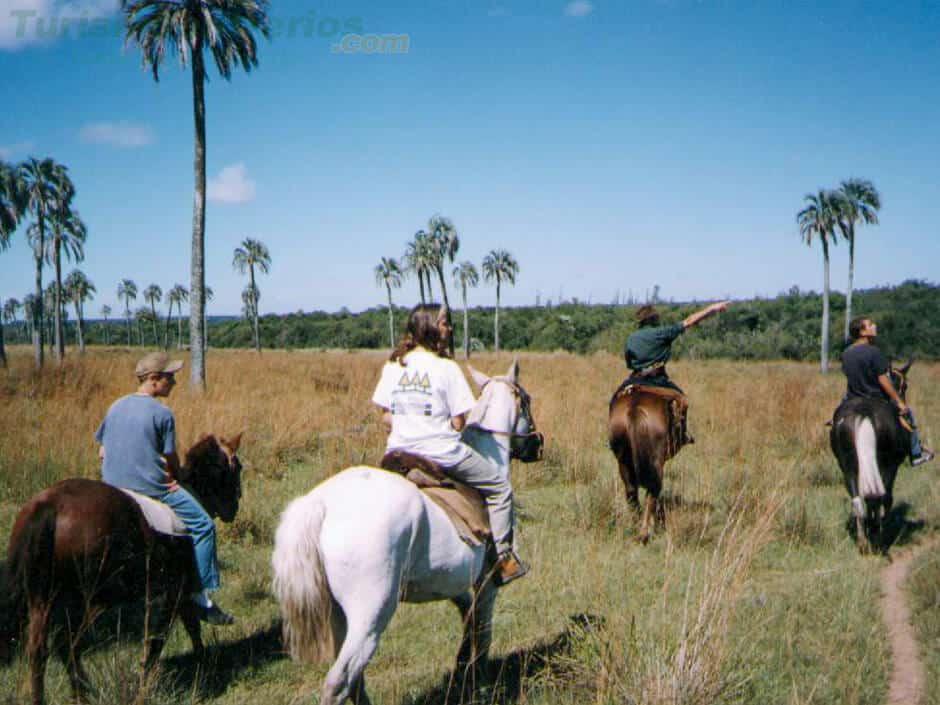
pixel 157 620
pixel 36 649
pixel 69 649
pixel 631 490
pixel 476 612
pixel 649 508
pixel 189 616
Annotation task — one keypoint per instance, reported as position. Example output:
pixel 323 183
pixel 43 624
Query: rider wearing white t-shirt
pixel 424 398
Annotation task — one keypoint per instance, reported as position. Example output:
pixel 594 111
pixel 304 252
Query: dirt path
pixel 908 675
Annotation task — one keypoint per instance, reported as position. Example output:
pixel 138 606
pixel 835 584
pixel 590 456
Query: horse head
pixel 899 378
pixel 214 473
pixel 505 408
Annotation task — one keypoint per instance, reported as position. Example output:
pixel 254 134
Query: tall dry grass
pixel 738 599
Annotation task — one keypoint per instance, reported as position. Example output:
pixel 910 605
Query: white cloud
pixel 116 134
pixel 579 8
pixel 25 22
pixel 232 185
pixel 8 151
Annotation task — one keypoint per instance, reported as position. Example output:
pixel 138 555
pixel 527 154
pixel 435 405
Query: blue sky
pixel 609 146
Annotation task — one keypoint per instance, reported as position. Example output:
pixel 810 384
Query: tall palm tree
pixel 65 231
pixel 857 201
pixel 444 243
pixel 142 315
pixel 79 289
pixel 153 294
pixel 818 220
pixel 465 274
pixel 127 290
pixel 10 308
pixel 250 298
pixel 11 211
pixel 501 266
pixel 177 295
pixel 105 312
pixel 388 272
pixel 418 259
pixel 251 254
pixel 205 324
pixel 46 189
pixel 226 29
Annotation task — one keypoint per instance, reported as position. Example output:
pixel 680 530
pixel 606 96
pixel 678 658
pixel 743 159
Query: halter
pixel 526 447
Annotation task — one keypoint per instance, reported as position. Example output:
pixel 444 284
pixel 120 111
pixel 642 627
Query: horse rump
pixel 300 584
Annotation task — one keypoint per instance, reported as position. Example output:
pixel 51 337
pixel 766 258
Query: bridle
pixel 525 446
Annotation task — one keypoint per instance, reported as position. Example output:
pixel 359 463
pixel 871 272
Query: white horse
pixel 346 553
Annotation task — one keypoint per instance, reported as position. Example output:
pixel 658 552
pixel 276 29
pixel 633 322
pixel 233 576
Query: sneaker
pixel 509 567
pixel 925 457
pixel 213 614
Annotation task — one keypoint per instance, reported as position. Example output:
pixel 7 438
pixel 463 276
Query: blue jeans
pixel 916 450
pixel 202 529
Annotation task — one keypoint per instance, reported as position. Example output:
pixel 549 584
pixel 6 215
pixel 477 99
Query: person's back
pixel 862 366
pixel 136 432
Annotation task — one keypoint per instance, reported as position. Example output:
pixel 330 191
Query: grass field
pixel 753 594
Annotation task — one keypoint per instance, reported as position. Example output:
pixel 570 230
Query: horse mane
pixel 200 451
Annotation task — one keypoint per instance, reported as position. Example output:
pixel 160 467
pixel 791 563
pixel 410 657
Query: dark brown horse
pixel 870 444
pixel 82 546
pixel 645 432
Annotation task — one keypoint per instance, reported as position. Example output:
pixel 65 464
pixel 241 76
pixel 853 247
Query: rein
pixel 519 443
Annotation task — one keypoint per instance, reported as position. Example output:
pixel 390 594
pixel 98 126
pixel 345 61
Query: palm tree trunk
pixel 153 310
pixel 78 328
pixel 107 332
pixel 848 292
pixel 496 319
pixel 179 325
pixel 38 342
pixel 57 298
pixel 430 290
pixel 391 317
pixel 440 277
pixel 254 309
pixel 197 283
pixel 824 335
pixel 3 352
pixel 127 317
pixel 466 326
pixel 166 328
pixel 421 284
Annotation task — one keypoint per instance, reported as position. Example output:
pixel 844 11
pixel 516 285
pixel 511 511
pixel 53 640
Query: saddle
pixel 677 404
pixel 159 516
pixel 464 506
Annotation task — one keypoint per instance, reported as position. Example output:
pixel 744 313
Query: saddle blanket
pixel 160 516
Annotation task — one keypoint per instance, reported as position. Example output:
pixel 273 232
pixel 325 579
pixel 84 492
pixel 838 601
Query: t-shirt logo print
pixel 415 383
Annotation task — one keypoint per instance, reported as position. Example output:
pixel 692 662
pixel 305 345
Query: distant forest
pixel 784 327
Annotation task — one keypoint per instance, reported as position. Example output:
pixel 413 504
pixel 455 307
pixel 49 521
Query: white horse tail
pixel 300 583
pixel 870 485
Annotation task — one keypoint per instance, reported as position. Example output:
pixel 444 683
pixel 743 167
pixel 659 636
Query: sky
pixel 610 147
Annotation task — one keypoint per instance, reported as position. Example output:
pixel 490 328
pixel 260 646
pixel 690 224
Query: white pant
pixel 483 476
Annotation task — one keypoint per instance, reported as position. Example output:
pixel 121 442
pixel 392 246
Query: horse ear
pixel 513 374
pixel 479 379
pixel 910 361
pixel 233 442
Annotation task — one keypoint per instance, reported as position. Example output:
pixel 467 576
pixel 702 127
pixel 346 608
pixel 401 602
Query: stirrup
pixel 509 567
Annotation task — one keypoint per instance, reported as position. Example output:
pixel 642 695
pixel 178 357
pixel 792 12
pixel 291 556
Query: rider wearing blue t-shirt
pixel 138 453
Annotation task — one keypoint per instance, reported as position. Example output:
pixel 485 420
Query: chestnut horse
pixel 870 444
pixel 82 546
pixel 643 434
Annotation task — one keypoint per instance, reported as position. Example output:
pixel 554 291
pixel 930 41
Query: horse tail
pixel 870 484
pixel 300 583
pixel 28 575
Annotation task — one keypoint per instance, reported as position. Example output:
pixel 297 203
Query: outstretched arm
pixel 705 313
pixel 885 382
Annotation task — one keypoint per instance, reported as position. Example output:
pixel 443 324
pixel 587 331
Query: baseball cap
pixel 157 363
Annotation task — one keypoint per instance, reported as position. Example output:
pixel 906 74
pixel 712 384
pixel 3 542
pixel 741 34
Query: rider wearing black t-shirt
pixel 868 374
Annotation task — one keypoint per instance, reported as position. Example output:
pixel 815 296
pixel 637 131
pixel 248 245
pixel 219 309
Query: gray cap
pixel 157 363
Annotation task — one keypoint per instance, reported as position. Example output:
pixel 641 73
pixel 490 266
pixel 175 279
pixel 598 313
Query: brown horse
pixel 870 444
pixel 644 432
pixel 82 546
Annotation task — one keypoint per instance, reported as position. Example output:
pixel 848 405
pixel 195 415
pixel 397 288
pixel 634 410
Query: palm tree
pixel 388 272
pixel 105 312
pixel 152 295
pixel 205 324
pixel 465 274
pixel 418 258
pixel 29 314
pixel 857 201
pixel 142 315
pixel 10 309
pixel 250 298
pixel 66 231
pixel 501 266
pixel 225 28
pixel 177 295
pixel 46 190
pixel 79 289
pixel 11 211
pixel 818 219
pixel 127 290
pixel 444 243
pixel 251 254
